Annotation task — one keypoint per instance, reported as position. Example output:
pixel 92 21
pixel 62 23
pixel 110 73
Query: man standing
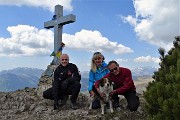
pixel 123 85
pixel 66 82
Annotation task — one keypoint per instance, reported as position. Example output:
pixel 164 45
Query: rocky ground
pixel 27 105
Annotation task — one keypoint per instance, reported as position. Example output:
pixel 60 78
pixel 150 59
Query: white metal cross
pixel 57 23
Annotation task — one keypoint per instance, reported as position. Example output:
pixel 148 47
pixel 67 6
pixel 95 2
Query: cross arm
pixel 49 24
pixel 60 21
pixel 66 19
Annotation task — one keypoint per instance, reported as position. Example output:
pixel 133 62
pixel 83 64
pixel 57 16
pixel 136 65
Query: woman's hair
pixel 93 65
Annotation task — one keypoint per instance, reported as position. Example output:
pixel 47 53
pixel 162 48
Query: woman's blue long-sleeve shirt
pixel 94 76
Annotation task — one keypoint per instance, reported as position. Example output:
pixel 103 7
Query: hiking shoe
pixel 74 106
pixel 64 100
pixel 56 106
pixel 116 104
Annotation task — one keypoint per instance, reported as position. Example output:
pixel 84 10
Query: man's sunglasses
pixel 112 70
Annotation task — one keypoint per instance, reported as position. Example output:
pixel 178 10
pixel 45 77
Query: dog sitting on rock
pixel 105 87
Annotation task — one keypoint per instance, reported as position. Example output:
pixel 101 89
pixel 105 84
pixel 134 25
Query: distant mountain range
pixel 143 71
pixel 84 80
pixel 18 78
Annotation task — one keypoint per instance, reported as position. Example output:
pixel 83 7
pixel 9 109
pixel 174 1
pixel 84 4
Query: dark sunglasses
pixel 112 70
pixel 64 59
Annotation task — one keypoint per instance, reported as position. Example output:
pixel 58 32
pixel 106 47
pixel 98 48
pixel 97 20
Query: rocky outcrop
pixel 28 104
pixel 46 79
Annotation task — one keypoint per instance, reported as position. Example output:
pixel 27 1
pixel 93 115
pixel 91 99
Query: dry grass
pixel 142 83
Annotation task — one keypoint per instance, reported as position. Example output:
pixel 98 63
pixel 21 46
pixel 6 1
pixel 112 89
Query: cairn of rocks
pixel 46 79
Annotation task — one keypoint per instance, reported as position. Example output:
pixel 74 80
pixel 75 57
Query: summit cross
pixel 57 23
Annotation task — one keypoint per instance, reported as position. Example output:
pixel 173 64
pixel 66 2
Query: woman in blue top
pixel 98 70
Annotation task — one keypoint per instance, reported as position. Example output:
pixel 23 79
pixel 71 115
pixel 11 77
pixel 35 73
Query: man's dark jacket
pixel 63 76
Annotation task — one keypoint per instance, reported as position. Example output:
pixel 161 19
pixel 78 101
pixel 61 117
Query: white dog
pixel 105 86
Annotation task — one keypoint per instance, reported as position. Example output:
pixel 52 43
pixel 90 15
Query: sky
pixel 128 31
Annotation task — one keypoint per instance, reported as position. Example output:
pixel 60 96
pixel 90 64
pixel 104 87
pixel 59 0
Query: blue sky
pixel 129 31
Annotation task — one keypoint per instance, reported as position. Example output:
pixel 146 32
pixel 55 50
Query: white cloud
pixel 147 59
pixel 29 41
pixel 26 41
pixel 46 4
pixel 129 19
pixel 156 21
pixel 93 41
pixel 122 60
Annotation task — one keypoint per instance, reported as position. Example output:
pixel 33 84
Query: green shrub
pixel 163 94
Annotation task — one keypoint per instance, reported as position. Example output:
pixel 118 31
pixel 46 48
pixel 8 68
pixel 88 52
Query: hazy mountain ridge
pixel 24 70
pixel 140 71
pixel 18 78
pixel 144 71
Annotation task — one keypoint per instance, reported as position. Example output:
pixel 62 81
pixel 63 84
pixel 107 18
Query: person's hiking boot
pixel 116 104
pixel 74 106
pixel 56 106
pixel 64 100
pixel 138 100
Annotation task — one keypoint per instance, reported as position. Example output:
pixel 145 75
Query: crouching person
pixel 123 85
pixel 66 82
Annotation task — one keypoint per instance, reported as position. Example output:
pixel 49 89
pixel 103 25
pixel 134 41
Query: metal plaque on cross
pixel 57 23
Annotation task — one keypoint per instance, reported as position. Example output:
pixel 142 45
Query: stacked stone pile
pixel 46 79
